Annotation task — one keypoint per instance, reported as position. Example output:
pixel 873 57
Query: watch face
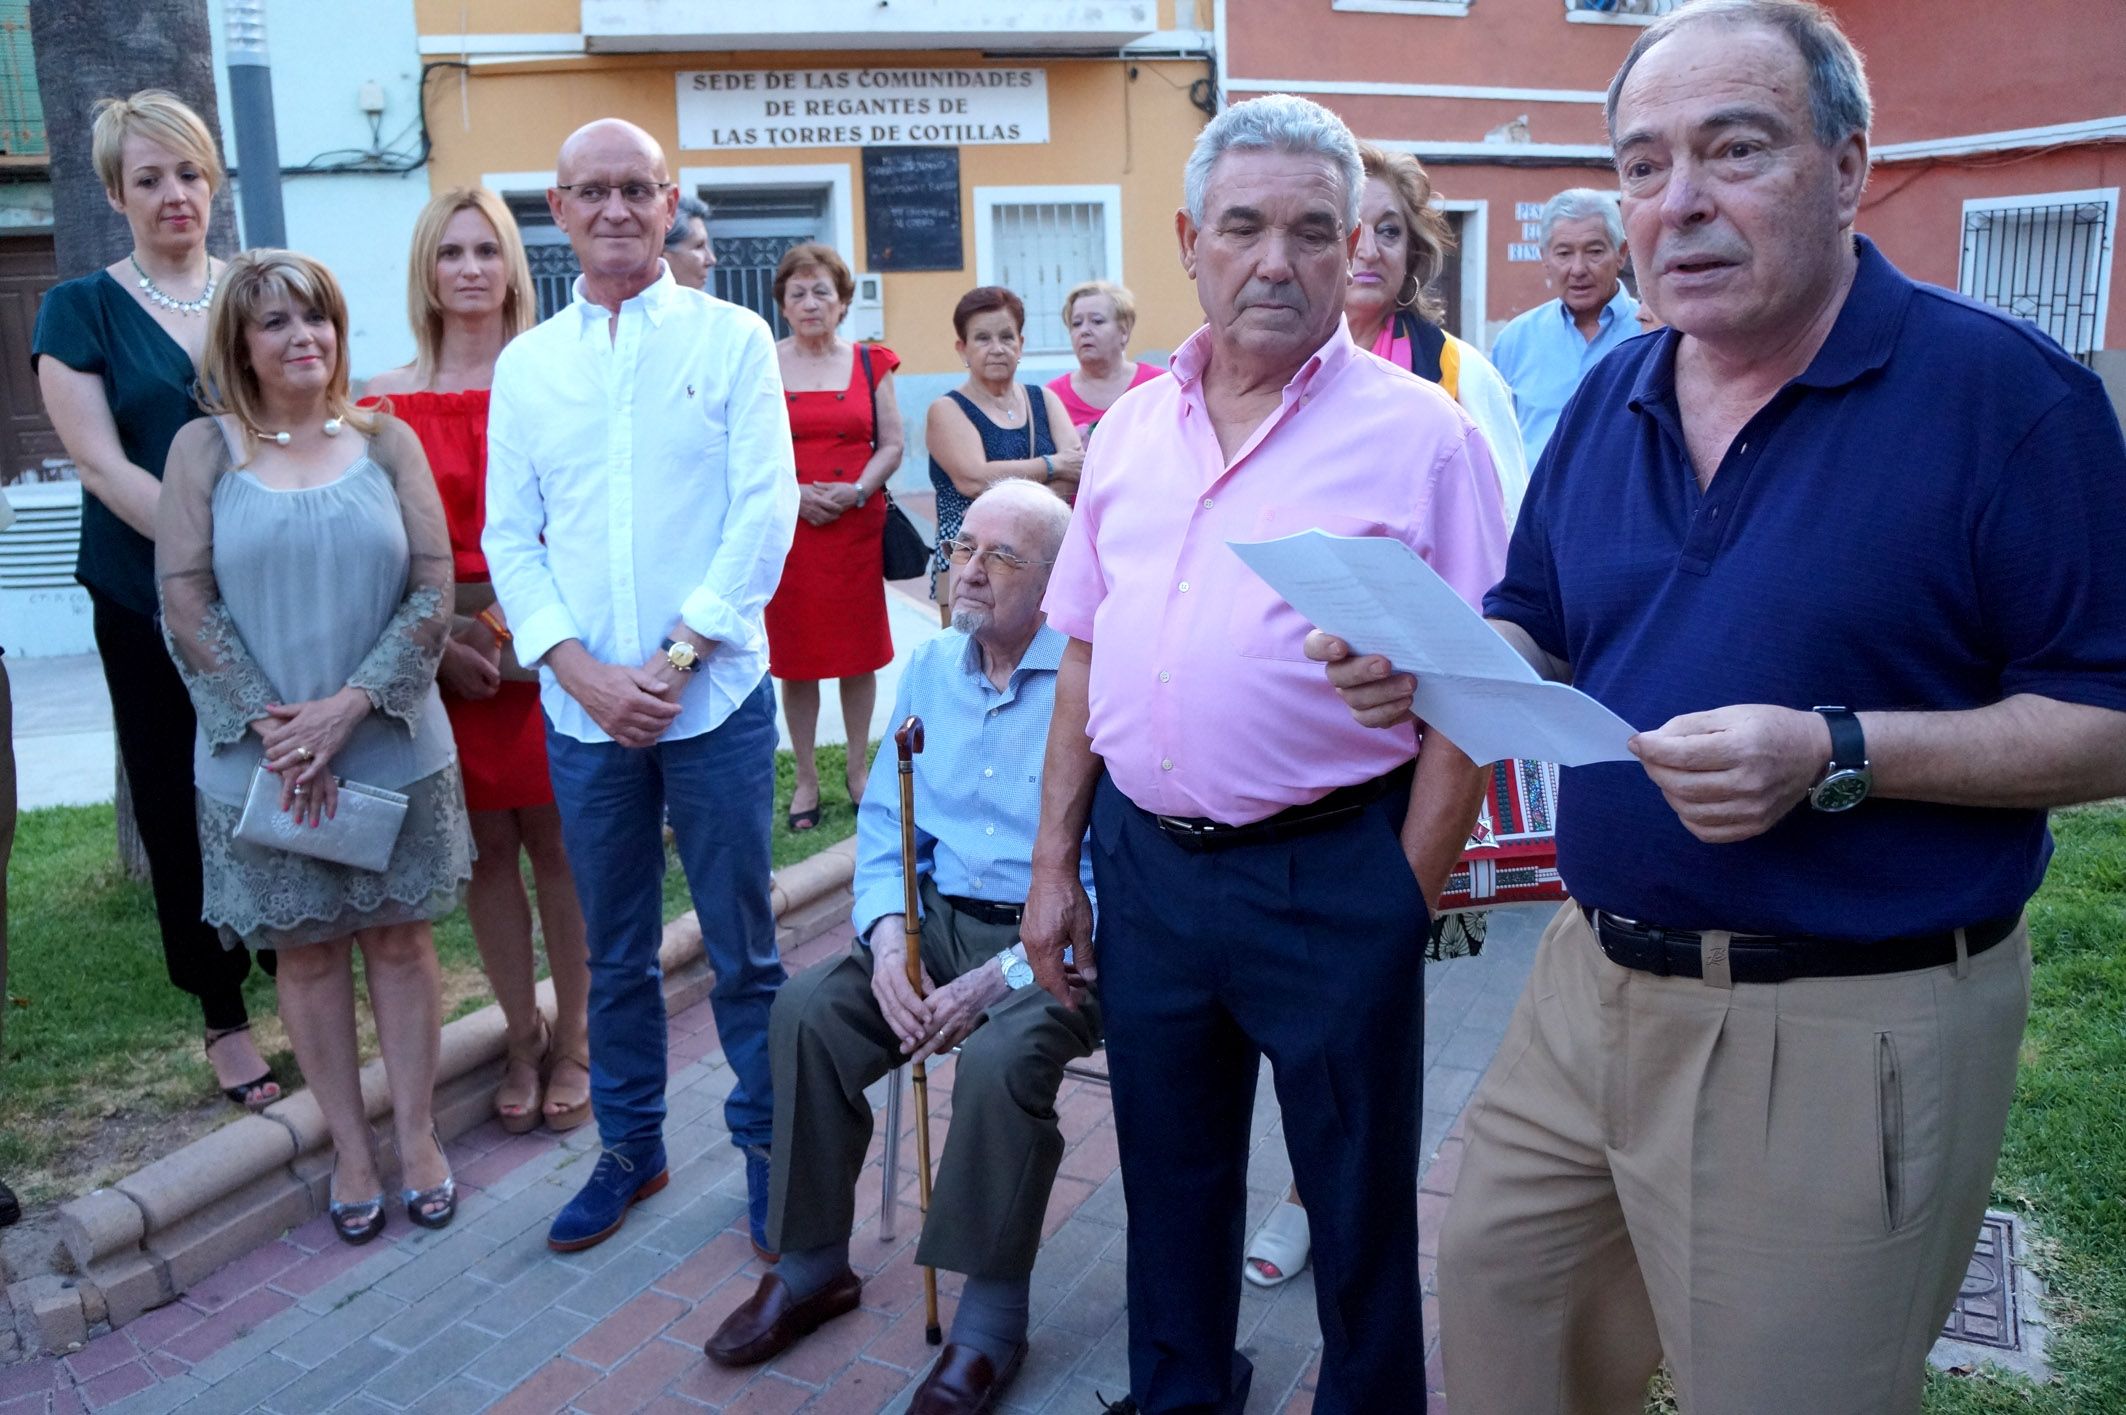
pixel 1840 791
pixel 681 655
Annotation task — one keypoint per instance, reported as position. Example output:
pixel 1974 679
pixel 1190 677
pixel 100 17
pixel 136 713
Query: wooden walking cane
pixel 908 741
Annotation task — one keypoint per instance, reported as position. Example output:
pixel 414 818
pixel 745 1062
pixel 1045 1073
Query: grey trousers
pixel 827 1041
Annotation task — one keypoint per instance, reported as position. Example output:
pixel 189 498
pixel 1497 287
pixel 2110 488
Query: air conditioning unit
pixel 42 611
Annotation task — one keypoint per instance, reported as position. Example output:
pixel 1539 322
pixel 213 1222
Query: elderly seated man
pixel 984 691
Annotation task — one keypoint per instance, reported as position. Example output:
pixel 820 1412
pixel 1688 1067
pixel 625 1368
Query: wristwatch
pixel 681 655
pixel 862 496
pixel 1017 971
pixel 1845 782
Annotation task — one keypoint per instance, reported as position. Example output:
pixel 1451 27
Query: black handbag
pixel 905 553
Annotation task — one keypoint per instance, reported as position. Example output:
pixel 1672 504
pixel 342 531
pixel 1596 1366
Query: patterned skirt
pixel 259 897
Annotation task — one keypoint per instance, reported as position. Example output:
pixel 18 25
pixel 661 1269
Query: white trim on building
pixel 1387 90
pixel 1476 218
pixel 2087 130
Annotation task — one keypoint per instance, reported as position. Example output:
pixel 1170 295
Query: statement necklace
pixel 169 301
pixel 332 429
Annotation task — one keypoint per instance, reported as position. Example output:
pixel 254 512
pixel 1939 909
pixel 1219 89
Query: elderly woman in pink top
pixel 1264 866
pixel 1101 316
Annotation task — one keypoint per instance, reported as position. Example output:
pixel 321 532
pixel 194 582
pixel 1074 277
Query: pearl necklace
pixel 331 429
pixel 168 301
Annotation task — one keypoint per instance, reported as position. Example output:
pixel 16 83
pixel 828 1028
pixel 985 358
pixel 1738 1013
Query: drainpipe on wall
pixel 251 111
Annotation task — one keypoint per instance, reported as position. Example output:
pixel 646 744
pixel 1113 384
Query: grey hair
pixel 1839 105
pixel 1580 203
pixel 1282 122
pixel 691 208
pixel 1040 511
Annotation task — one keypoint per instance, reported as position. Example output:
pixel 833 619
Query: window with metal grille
pixel 1623 9
pixel 21 110
pixel 2044 258
pixel 547 251
pixel 1038 249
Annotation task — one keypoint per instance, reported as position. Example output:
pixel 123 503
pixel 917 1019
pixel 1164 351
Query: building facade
pixel 1998 133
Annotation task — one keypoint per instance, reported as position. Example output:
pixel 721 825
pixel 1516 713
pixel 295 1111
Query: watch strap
pixel 1849 745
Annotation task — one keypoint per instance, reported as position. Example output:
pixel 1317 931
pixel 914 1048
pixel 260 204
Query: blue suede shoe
pixel 601 1205
pixel 757 1202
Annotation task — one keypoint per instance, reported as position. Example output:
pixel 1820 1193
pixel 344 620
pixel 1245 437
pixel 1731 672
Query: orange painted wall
pixel 1939 71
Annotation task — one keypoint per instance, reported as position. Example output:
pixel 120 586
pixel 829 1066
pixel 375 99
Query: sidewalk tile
pixel 232 1280
pixel 698 1275
pixel 329 1276
pixel 253 1344
pixel 430 1364
pixel 552 1386
pixel 1431 1208
pixel 246 1388
pixel 103 1353
pixel 332 1333
pixel 407 1326
pixel 232 1321
pixel 634 1382
pixel 770 1395
pixel 864 1389
pixel 116 1384
pixel 1051 1356
pixel 166 1395
pixel 634 1323
pixel 619 1280
pixel 533 1292
pixel 522 1351
pixel 332 1380
pixel 159 1326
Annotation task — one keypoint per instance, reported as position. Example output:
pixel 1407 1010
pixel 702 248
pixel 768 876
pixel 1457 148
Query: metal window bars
pixel 1043 249
pixel 21 109
pixel 2044 263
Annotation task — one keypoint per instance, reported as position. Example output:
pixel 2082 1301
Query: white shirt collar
pixel 653 300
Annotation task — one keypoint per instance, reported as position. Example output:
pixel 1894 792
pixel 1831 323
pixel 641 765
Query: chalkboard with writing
pixel 912 208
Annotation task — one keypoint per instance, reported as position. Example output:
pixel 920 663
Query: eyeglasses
pixel 959 552
pixel 593 194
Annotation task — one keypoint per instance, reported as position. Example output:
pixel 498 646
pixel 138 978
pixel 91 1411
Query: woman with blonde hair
pixel 116 357
pixel 1100 316
pixel 304 567
pixel 468 293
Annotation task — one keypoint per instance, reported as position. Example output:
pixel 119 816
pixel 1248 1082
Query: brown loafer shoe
pixel 770 1321
pixel 964 1383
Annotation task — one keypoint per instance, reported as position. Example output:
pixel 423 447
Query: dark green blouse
pixel 94 325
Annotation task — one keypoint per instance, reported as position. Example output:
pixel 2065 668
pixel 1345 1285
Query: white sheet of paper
pixel 1375 594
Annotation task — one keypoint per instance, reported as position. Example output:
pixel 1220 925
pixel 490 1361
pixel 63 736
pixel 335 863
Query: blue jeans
pixel 719 791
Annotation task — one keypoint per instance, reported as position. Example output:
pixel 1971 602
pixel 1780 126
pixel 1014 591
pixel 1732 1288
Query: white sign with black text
pixel 781 108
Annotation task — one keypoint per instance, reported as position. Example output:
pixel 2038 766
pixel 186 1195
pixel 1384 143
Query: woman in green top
pixel 117 356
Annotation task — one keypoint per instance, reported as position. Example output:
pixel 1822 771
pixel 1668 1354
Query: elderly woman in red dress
pixel 828 617
pixel 469 292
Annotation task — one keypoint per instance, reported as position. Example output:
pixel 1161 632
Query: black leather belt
pixel 985 911
pixel 1202 833
pixel 1675 953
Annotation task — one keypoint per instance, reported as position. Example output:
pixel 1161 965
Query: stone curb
pixel 145 1240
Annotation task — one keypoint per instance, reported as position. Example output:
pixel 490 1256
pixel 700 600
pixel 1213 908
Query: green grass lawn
pixel 101 1067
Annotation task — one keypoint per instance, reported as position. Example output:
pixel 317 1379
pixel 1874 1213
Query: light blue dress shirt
pixel 1543 356
pixel 977 780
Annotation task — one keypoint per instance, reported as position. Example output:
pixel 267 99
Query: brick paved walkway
pixel 482 1317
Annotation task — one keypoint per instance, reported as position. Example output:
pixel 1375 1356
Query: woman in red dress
pixel 469 292
pixel 828 617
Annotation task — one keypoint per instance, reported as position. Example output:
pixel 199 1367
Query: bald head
pixel 614 197
pixel 605 140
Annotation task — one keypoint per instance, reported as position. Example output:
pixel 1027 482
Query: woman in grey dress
pixel 305 575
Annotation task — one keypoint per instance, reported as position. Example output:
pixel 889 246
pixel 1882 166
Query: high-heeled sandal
pixel 570 1113
pixel 436 1207
pixel 255 1094
pixel 358 1222
pixel 518 1111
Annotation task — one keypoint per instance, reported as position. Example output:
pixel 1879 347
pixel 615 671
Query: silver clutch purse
pixel 359 835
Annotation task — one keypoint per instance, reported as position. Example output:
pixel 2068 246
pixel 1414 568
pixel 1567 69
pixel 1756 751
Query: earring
pixel 332 427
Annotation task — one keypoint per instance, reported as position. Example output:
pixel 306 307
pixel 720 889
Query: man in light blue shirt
pixel 641 496
pixel 985 692
pixel 1545 352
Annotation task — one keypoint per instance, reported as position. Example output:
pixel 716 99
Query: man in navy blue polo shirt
pixel 1844 547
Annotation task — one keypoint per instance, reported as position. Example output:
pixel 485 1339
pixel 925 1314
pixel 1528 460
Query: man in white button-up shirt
pixel 641 496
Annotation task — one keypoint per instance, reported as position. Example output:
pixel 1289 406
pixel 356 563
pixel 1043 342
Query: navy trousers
pixel 1309 951
pixel 718 789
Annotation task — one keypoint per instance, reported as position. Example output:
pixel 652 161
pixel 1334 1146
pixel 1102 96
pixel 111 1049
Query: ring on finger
pixel 300 789
pixel 304 754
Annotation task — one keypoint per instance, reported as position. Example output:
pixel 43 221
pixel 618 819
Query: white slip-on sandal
pixel 1281 1245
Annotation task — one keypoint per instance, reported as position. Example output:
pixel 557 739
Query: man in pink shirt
pixel 1263 862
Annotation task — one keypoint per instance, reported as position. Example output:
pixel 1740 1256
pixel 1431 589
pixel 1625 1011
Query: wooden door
pixel 27 442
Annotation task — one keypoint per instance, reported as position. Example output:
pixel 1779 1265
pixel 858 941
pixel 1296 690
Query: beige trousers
pixel 1775 1187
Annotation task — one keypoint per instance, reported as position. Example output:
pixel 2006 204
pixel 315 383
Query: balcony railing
pixel 1622 9
pixel 21 111
pixel 621 26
